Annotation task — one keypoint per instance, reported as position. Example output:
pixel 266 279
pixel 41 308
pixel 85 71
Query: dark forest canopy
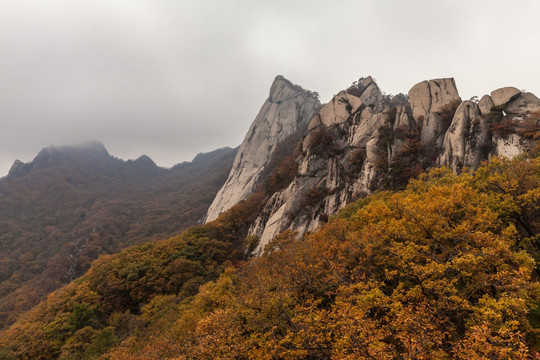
pixel 71 204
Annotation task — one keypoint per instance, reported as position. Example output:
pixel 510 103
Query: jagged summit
pixel 363 140
pixel 287 109
pixel 281 90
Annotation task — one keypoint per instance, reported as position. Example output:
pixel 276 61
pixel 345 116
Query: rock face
pixel 433 129
pixel 287 110
pixel 504 95
pixel 467 140
pixel 345 148
pixel 432 96
pixel 432 103
pixel 362 141
pixel 485 105
pixel 523 104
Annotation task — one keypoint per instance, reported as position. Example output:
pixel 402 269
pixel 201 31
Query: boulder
pixel 485 104
pixel 337 111
pixel 523 104
pixel 504 95
pixel 443 92
pixel 432 96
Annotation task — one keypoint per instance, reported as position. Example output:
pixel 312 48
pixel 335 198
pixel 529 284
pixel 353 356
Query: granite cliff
pixel 363 140
pixel 287 110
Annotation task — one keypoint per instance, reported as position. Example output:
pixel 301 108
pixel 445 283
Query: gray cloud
pixel 173 78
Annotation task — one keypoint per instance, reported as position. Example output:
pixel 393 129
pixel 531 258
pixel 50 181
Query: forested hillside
pixel 71 204
pixel 443 266
pixel 444 269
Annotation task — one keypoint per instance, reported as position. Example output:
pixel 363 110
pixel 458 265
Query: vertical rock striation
pixel 467 138
pixel 344 151
pixel 362 141
pixel 287 110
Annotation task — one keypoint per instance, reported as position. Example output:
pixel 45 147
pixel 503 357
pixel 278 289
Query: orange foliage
pixel 432 272
pixel 436 271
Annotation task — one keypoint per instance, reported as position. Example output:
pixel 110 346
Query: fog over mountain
pixel 170 79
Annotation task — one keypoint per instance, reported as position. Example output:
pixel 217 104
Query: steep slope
pixel 442 260
pixel 71 204
pixel 363 141
pixel 434 271
pixel 92 313
pixel 287 110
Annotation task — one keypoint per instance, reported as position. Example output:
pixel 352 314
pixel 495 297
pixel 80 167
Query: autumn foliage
pixel 57 219
pixel 441 270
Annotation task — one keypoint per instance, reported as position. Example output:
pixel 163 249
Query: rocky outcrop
pixel 287 109
pixel 523 104
pixel 504 95
pixel 489 128
pixel 346 146
pixel 432 96
pixel 362 141
pixel 432 103
pixel 485 105
pixel 511 109
pixel 467 141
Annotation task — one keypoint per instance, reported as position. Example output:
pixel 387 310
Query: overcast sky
pixel 173 78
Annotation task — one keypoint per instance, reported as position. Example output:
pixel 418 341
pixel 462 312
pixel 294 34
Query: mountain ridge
pixel 363 140
pixel 70 204
pixel 447 258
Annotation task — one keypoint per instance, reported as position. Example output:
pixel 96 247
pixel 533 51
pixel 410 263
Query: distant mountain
pixel 70 204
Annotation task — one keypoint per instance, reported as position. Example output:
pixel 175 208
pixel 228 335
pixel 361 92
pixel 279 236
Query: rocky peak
pixel 485 105
pixel 341 153
pixel 287 110
pixel 18 169
pixel 362 141
pixel 280 89
pixel 432 96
